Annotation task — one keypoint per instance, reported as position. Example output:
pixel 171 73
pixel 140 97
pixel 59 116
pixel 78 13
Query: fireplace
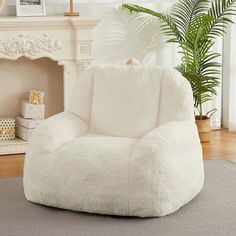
pixel 56 49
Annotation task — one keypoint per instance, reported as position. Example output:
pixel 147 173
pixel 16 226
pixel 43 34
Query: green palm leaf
pixel 122 35
pixel 195 25
pixel 168 26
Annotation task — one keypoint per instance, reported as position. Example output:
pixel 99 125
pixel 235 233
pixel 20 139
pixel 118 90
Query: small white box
pixel 31 111
pixel 28 123
pixel 23 133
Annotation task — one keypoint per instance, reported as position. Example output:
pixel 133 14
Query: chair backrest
pixel 130 100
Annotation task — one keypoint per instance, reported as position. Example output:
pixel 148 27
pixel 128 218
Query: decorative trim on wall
pixel 66 67
pixel 82 65
pixel 28 45
pixel 85 48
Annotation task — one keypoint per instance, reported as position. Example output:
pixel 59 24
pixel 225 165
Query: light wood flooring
pixel 222 146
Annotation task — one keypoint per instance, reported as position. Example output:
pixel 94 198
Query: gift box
pixel 23 132
pixel 28 123
pixel 7 129
pixel 32 111
pixel 36 97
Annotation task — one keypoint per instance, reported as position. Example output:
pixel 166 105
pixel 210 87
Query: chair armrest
pixel 167 165
pixel 54 132
pixel 171 140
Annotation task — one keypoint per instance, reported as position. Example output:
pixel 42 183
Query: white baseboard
pixel 230 125
pixel 216 124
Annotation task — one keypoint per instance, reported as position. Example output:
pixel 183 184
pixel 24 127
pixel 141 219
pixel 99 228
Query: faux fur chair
pixel 127 145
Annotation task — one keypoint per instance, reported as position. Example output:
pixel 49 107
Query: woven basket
pixel 204 126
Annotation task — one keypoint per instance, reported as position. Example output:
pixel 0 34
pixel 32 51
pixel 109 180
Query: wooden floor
pixel 222 146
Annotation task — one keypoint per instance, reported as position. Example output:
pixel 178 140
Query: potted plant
pixel 194 25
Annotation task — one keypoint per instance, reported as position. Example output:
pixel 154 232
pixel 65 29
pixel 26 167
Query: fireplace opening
pixel 20 76
pixel 17 78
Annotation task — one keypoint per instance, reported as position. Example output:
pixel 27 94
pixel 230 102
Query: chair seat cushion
pixel 88 174
pixel 97 146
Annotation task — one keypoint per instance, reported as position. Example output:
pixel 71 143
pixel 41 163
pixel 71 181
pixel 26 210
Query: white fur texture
pixel 125 100
pixel 153 174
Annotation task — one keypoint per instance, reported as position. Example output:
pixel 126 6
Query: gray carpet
pixel 212 212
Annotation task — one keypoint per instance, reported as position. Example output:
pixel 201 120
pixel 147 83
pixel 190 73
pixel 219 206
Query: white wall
pixel 87 8
pixel 229 79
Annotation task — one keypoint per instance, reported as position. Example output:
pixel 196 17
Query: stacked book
pixel 32 113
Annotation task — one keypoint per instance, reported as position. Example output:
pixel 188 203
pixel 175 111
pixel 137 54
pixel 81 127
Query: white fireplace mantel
pixel 66 40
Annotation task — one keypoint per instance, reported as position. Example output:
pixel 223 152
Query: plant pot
pixel 204 128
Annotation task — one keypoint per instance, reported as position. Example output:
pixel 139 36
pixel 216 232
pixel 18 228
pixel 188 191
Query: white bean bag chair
pixel 127 145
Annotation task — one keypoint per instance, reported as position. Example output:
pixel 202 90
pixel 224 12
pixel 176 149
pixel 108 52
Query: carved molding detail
pixel 85 48
pixel 82 66
pixel 28 45
pixel 66 66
